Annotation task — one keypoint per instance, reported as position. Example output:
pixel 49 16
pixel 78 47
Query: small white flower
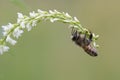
pixel 33 14
pixel 10 40
pixel 34 23
pixel 40 11
pixel 85 29
pixel 3 49
pixel 4 33
pixel 96 36
pixel 95 45
pixel 54 19
pixel 22 24
pixel 76 27
pixel 8 27
pixel 67 21
pixel 17 32
pixel 50 11
pixel 18 20
pixel 56 11
pixel 28 26
pixel 75 18
pixel 20 16
pixel 67 15
pixel 5 28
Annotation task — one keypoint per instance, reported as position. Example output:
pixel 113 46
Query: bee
pixel 84 41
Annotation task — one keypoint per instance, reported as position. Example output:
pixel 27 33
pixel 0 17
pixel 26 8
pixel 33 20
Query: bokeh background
pixel 47 52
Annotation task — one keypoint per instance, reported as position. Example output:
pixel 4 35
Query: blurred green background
pixel 47 52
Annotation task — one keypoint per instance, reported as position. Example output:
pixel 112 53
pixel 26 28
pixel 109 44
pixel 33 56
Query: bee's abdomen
pixel 91 51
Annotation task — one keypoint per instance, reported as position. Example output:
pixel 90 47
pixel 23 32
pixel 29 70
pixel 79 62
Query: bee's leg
pixel 75 34
pixel 73 31
pixel 86 40
pixel 91 36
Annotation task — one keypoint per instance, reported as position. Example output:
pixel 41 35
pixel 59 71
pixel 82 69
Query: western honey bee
pixel 85 42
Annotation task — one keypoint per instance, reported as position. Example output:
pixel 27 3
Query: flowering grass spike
pixel 12 32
